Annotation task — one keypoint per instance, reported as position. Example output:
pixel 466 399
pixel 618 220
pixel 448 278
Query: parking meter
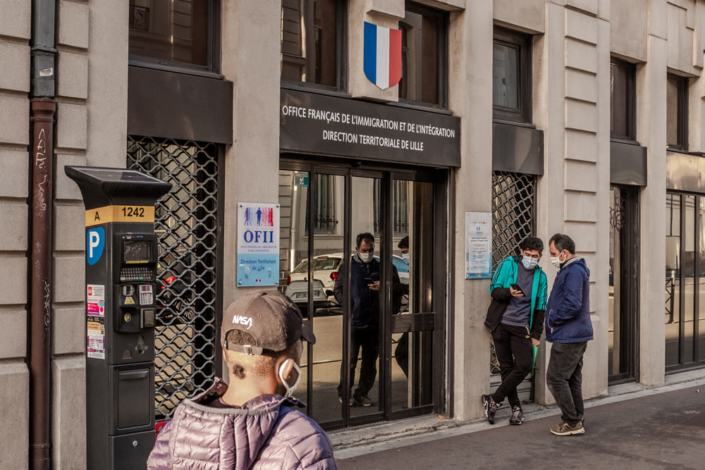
pixel 121 272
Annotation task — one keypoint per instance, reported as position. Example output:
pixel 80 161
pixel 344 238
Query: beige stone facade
pixel 572 43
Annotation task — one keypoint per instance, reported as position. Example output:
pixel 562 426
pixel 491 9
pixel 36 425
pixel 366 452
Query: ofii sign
pixel 258 244
pixel 382 55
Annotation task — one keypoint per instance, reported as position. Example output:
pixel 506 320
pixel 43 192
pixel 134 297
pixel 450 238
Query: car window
pixel 302 267
pixel 326 264
pixel 401 266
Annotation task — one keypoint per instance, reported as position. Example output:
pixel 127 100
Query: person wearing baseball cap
pixel 253 421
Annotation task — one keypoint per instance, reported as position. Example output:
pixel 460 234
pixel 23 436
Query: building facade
pixel 577 116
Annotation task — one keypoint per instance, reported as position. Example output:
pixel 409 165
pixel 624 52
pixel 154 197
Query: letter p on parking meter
pixel 121 309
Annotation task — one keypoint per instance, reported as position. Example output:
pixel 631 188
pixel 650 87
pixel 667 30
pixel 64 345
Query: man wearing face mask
pixel 515 318
pixel 253 422
pixel 364 318
pixel 569 328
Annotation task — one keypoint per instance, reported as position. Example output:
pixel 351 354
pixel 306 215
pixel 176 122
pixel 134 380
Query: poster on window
pixel 478 245
pixel 258 244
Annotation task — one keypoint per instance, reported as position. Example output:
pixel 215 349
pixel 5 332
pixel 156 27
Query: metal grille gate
pixel 513 207
pixel 186 222
pixel 513 219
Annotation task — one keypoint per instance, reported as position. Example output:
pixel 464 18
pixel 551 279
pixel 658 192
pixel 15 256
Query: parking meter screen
pixel 138 252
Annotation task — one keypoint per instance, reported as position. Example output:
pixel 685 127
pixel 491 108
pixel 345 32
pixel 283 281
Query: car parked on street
pixel 325 271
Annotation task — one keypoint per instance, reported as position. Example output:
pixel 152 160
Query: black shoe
pixel 490 407
pixel 517 418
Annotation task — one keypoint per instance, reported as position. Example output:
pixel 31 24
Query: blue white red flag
pixel 382 55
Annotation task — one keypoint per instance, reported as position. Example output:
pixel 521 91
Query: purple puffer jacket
pixel 264 434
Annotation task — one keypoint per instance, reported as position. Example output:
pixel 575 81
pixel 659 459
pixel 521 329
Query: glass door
pixel 360 257
pixel 685 281
pixel 623 284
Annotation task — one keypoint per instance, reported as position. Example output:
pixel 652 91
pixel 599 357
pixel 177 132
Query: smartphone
pixel 516 287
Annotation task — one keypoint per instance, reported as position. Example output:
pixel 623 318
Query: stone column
pixel 250 59
pixel 651 133
pixel 470 76
pixel 572 106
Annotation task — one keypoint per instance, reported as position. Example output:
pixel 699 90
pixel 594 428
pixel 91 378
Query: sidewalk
pixel 654 431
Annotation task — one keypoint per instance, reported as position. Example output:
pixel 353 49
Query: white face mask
pixel 529 263
pixel 290 389
pixel 405 257
pixel 556 260
pixel 366 257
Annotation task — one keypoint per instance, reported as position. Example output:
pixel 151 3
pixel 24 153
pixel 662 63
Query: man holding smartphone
pixel 515 319
pixel 365 316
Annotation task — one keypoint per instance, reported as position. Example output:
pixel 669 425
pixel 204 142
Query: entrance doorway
pixel 685 281
pixel 623 284
pixel 379 324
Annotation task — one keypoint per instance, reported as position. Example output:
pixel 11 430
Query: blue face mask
pixel 529 263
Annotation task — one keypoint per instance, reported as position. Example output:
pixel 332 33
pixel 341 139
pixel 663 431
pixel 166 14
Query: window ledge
pixel 514 123
pixel 624 141
pixel 683 152
pixel 173 67
pixel 313 88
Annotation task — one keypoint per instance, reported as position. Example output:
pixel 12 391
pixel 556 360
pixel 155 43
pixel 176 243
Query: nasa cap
pixel 270 317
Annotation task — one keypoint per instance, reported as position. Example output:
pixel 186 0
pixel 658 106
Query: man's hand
pixel 516 293
pixel 374 286
pixel 535 342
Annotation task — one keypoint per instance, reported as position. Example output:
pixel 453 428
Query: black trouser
pixel 516 358
pixel 564 378
pixel 366 339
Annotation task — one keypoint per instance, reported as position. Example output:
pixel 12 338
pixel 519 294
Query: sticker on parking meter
pixel 146 296
pixel 258 244
pixel 95 242
pixel 95 300
pixel 95 342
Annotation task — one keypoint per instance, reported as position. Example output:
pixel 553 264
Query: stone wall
pixel 15 33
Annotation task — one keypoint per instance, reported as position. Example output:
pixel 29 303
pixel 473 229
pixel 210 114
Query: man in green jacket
pixel 515 319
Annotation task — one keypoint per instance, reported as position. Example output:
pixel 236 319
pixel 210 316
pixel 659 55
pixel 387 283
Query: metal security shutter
pixel 186 222
pixel 513 219
pixel 513 213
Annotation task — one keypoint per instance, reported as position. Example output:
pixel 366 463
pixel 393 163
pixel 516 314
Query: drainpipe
pixel 42 109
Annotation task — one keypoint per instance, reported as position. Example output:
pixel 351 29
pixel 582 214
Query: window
pixel 677 112
pixel 182 34
pixel 310 41
pixel 423 55
pixel 329 192
pixel 511 76
pixel 402 191
pixel 623 100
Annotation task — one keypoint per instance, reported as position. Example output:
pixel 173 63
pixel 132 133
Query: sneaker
pixel 517 418
pixel 363 401
pixel 352 400
pixel 565 429
pixel 490 407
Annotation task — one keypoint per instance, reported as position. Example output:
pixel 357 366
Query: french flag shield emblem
pixel 382 55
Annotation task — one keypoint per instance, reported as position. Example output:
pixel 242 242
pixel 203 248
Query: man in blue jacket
pixel 569 328
pixel 365 283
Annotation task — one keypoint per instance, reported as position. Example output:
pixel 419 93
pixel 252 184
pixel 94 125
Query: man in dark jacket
pixel 252 423
pixel 516 322
pixel 364 318
pixel 569 328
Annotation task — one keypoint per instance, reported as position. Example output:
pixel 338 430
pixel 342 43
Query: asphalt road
pixel 664 431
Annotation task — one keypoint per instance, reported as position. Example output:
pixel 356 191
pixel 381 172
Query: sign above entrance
pixel 326 125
